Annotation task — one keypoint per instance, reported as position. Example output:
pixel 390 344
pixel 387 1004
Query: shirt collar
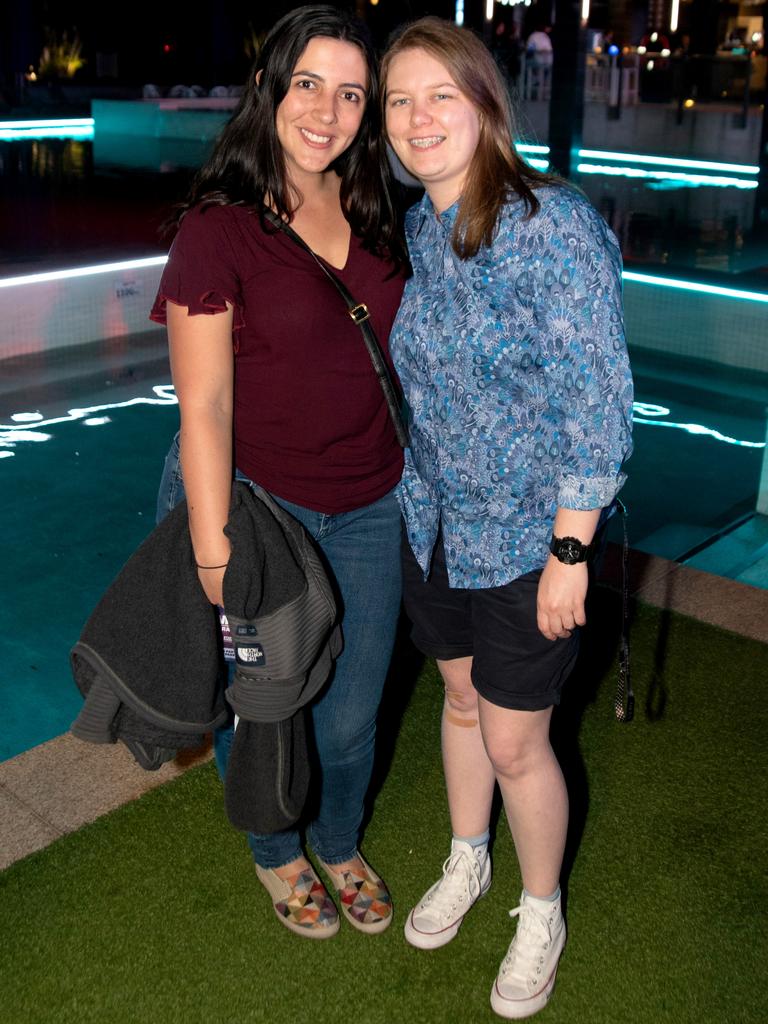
pixel 431 224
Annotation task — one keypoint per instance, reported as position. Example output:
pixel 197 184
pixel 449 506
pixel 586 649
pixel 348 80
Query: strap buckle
pixel 359 313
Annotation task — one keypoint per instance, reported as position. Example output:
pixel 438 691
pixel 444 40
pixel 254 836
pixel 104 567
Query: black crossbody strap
pixel 358 311
pixel 624 702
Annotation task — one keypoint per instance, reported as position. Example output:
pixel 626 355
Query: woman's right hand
pixel 212 582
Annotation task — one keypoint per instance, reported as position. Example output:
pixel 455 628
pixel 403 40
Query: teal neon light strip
pixel 668 161
pixel 694 286
pixel 641 158
pixel 9 134
pixel 540 165
pixel 714 181
pixel 102 268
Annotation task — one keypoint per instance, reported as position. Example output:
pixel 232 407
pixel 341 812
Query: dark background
pixel 170 41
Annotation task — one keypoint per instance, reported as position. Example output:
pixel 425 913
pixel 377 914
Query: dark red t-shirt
pixel 311 424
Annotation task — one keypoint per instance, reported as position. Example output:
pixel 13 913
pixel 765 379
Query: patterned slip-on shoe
pixel 301 902
pixel 363 897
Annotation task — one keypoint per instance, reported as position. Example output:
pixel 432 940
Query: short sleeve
pixel 201 269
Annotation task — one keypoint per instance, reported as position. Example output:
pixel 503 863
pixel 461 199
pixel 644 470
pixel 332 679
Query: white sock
pixel 543 899
pixel 479 844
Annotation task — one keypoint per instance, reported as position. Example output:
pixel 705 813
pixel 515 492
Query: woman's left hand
pixel 560 600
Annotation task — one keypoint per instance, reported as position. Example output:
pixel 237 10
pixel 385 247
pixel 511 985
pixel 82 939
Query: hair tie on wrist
pixel 211 566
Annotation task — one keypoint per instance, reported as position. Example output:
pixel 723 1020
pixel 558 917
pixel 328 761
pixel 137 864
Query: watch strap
pixel 584 552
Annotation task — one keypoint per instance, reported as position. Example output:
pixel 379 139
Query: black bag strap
pixel 624 701
pixel 360 315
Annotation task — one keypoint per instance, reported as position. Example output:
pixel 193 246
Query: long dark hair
pixel 496 172
pixel 247 164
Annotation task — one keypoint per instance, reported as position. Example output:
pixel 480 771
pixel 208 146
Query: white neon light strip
pixel 102 268
pixel 674 16
pixel 668 161
pixel 58 122
pixel 659 175
pixel 26 425
pixel 695 286
pixel 528 147
pixel 642 410
pixel 11 434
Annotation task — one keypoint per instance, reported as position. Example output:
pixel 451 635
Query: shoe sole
pixel 308 932
pixel 374 928
pixel 430 940
pixel 519 1009
pixel 434 940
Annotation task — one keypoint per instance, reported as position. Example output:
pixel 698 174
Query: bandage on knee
pixel 454 719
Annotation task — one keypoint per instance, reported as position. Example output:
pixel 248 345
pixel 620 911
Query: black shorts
pixel 513 665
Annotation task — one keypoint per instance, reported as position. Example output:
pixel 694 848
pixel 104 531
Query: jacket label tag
pixel 250 654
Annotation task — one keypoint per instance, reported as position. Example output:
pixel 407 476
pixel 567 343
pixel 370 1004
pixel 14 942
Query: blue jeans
pixel 361 550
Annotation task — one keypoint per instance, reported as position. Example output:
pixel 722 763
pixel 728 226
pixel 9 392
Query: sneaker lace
pixel 460 883
pixel 525 957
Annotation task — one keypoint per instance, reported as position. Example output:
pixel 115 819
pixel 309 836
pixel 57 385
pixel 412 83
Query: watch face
pixel 569 551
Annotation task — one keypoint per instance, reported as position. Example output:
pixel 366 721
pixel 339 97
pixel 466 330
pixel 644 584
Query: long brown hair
pixel 496 172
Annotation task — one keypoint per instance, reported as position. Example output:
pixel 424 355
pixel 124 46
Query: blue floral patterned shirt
pixel 515 371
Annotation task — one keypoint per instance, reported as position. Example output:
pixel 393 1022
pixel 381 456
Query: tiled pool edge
pixel 60 786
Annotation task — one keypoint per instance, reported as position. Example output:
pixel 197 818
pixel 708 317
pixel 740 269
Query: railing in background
pixel 612 80
pixel 535 81
pixel 627 79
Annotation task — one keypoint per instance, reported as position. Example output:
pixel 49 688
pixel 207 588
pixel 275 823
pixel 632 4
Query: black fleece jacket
pixel 150 667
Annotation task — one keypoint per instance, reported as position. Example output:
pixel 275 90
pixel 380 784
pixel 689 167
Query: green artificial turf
pixel 154 912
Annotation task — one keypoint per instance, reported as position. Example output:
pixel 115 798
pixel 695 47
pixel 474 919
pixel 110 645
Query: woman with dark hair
pixel 274 383
pixel 510 348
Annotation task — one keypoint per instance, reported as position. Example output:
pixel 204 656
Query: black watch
pixel 569 550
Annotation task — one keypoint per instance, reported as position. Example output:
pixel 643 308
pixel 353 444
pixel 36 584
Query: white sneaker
pixel 527 973
pixel 437 917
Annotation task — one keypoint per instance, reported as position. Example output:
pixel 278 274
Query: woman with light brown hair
pixel 510 348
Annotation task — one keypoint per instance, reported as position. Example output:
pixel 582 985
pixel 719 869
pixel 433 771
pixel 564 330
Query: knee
pixel 346 743
pixel 461 702
pixel 511 760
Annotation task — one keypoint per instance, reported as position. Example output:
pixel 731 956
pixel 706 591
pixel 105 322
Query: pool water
pixel 75 508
